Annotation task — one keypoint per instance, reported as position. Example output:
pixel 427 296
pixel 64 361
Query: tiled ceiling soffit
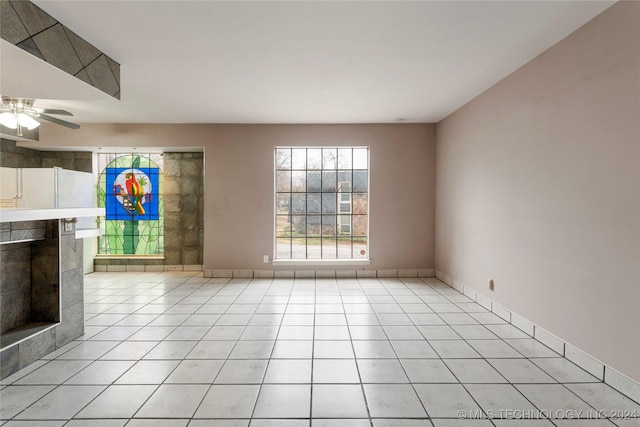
pixel 33 30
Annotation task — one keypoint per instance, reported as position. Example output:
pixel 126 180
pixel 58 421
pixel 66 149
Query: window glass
pixel 321 202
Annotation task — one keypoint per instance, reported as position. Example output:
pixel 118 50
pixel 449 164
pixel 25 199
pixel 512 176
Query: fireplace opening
pixel 29 280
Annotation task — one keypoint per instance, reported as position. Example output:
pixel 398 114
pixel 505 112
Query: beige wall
pixel 239 191
pixel 538 187
pixel 238 195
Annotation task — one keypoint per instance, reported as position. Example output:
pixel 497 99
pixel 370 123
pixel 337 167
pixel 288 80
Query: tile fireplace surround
pixel 41 283
pixel 41 291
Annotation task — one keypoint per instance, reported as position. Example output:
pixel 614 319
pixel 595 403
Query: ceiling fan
pixel 19 113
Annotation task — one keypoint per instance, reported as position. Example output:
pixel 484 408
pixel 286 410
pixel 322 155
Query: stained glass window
pixel 130 190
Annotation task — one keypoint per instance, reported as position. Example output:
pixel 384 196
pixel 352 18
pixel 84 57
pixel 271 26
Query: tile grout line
pixel 364 395
pixel 393 292
pixel 210 386
pixel 485 411
pixel 424 407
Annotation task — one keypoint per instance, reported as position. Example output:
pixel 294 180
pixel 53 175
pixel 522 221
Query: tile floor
pixel 176 349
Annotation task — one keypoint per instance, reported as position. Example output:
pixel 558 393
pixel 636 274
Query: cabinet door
pixel 38 187
pixel 8 187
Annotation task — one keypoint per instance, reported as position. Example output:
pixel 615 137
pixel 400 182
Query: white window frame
pixel 339 194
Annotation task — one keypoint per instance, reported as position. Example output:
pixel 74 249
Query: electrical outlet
pixel 490 284
pixel 265 259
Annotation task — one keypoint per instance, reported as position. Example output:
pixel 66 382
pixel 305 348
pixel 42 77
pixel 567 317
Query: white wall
pixel 538 187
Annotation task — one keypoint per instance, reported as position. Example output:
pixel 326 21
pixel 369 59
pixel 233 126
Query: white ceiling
pixel 293 62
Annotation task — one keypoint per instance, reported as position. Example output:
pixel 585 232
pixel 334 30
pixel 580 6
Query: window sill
pixel 319 262
pixel 105 256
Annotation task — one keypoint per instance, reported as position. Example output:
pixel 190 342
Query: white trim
pixel 304 274
pixel 218 273
pixel 366 274
pixel 319 262
pixel 622 383
pixel 501 312
pixel 263 274
pixel 242 274
pixel 41 329
pixel 427 272
pixel 586 362
pixel 406 273
pixel 129 256
pixel 345 274
pixel 11 242
pixel 317 274
pixel 472 294
pixel 82 233
pixel 27 214
pixel 548 339
pixel 484 301
pixel 447 280
pixel 149 268
pixel 607 374
pixel 283 274
pixel 458 286
pixel 388 274
pixel 325 274
pixel 522 324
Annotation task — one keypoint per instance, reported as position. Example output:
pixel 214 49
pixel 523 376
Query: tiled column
pixel 71 284
pixel 183 208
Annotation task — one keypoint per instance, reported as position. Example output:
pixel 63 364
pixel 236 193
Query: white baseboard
pixel 603 372
pixel 141 268
pixel 320 274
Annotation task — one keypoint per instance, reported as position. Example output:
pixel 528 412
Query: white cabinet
pixel 9 195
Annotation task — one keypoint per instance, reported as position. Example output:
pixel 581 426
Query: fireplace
pixel 30 280
pixel 41 301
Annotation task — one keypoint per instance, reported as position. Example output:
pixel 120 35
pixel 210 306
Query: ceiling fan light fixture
pixel 27 121
pixel 9 120
pixel 19 113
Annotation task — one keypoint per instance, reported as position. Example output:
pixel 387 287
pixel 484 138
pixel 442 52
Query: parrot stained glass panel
pixel 133 196
pixel 130 190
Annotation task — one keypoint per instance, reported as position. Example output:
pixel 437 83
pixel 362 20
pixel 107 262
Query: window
pixel 322 203
pixel 130 190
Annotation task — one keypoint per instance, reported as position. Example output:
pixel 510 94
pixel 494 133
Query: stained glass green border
pixel 130 238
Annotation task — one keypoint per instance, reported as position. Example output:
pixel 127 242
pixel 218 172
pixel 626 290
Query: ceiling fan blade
pixel 57 121
pixel 57 112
